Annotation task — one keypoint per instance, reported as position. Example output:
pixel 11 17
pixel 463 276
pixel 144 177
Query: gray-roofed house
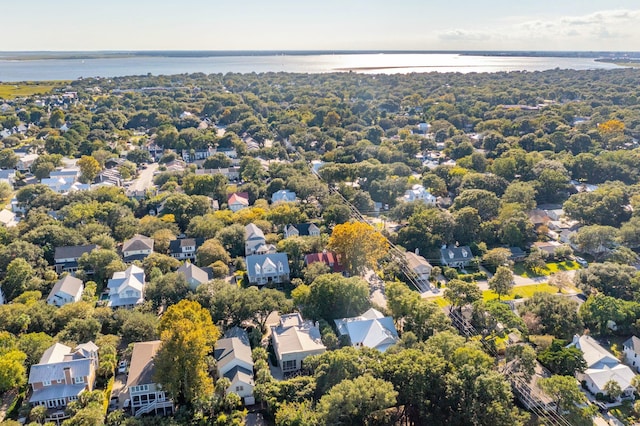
pixel 126 288
pixel 371 329
pixel 66 290
pixel 631 348
pixel 268 268
pixel 234 361
pixel 456 257
pixel 293 340
pixel 253 239
pixel 602 367
pixel 66 257
pixel 61 376
pixel 419 265
pixel 283 195
pixel 185 248
pixel 137 248
pixel 145 395
pixel 301 230
pixel 194 275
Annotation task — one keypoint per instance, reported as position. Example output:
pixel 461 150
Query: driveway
pixel 145 178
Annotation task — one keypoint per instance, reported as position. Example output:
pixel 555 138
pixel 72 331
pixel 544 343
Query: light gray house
pixel 137 248
pixel 253 239
pixel 194 275
pixel 456 257
pixel 234 361
pixel 419 265
pixel 268 268
pixel 67 290
pixel 301 230
pixel 293 340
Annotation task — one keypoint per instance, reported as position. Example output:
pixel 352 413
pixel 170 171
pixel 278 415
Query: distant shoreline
pixel 84 55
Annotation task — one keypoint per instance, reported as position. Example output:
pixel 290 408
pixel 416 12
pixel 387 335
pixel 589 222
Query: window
pixel 289 365
pixel 78 380
pixel 46 383
pixel 239 388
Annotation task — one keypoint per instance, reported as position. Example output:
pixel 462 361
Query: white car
pixel 122 367
pixel 580 261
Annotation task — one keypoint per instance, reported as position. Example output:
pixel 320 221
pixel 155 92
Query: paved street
pixel 145 178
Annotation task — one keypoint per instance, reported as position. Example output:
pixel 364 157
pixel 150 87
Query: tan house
pixel 419 265
pixel 294 339
pixel 145 395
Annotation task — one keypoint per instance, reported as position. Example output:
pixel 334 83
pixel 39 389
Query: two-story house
pixel 631 348
pixel 301 230
pixel 419 265
pixel 61 376
pixel 145 395
pixel 238 201
pixel 193 275
pixel 253 239
pixel 234 361
pixel 267 268
pixel 137 248
pixel 329 258
pixel 456 257
pixel 126 288
pixel 293 340
pixel 419 193
pixel 185 248
pixel 66 290
pixel 66 257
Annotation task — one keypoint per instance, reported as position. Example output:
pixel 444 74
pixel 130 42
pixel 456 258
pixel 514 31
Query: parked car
pixel 580 261
pixel 127 403
pixel 122 367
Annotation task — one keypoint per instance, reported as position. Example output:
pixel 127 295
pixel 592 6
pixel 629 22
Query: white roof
pixel 372 329
pixel 8 218
pixel 294 335
pixel 69 285
pixel 594 355
pixel 620 374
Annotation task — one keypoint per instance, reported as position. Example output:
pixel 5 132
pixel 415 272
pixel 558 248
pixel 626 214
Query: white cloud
pixel 603 30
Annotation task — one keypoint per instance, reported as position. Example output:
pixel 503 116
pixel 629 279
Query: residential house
pixel 194 275
pixel 456 257
pixel 631 348
pixel 301 230
pixel 293 340
pixel 231 173
pixel 419 193
pixel 419 265
pixel 283 195
pixel 66 290
pixel 137 248
pixel 145 394
pixel 238 201
pixel 371 329
pixel 61 376
pixel 63 185
pixel 126 288
pixel 548 247
pixel 25 161
pixel 185 248
pixel 253 239
pixel 70 174
pixel 267 268
pixel 602 367
pixel 327 257
pixel 234 361
pixel 517 254
pixel 66 257
pixel 8 218
pixel 8 176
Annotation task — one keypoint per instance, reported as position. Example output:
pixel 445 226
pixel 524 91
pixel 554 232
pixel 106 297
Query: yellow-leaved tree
pixel 358 246
pixel 188 335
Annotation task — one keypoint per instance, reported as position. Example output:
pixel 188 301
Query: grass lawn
pixel 524 291
pixel 10 91
pixel 551 268
pixel 440 301
pixel 624 413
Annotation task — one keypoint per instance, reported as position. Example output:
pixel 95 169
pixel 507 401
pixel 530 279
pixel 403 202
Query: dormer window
pixel 464 253
pixel 280 267
pixel 257 269
pixel 450 254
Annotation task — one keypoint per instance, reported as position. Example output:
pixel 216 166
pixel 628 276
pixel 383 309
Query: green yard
pixel 521 292
pixel 551 268
pixel 10 91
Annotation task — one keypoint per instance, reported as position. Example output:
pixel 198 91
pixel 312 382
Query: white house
pixel 253 239
pixel 67 290
pixel 631 349
pixel 238 201
pixel 284 195
pixel 8 218
pixel 126 288
pixel 234 361
pixel 194 275
pixel 267 268
pixel 137 248
pixel 145 395
pixel 185 248
pixel 301 230
pixel 293 340
pixel 602 367
pixel 419 193
pixel 419 265
pixel 371 329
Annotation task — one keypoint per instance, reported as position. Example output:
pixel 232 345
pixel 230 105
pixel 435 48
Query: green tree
pixel 167 290
pixel 461 293
pixel 502 281
pixel 562 360
pixel 211 251
pixel 356 402
pixel 496 257
pixel 552 314
pixel 8 159
pixel 12 371
pixel 187 335
pixel 486 203
pixel 296 414
pixel 333 296
pixel 18 275
pixel 564 391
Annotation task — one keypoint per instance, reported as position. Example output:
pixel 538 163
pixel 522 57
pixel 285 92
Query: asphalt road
pixel 145 178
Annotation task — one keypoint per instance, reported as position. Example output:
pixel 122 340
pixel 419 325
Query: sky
pixel 67 25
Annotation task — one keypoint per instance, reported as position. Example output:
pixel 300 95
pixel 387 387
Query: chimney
pixel 417 251
pixel 67 376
